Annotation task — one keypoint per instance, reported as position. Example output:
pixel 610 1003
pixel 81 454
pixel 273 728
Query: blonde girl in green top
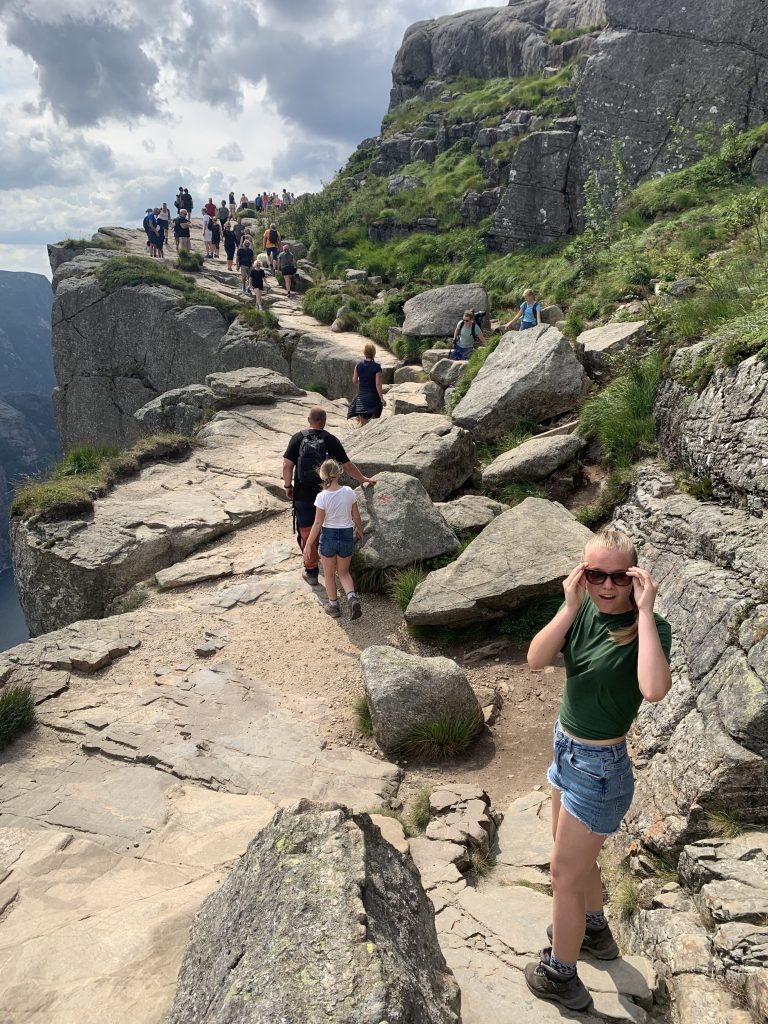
pixel 616 653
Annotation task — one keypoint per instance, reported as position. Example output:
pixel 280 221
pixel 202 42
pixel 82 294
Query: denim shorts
pixel 337 543
pixel 595 782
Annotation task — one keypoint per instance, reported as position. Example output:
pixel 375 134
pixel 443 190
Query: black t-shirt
pixel 335 449
pixel 245 256
pixel 181 227
pixel 257 278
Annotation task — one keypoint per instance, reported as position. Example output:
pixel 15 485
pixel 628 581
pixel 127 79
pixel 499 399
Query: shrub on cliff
pixel 17 713
pixel 188 260
pixel 87 473
pixel 322 304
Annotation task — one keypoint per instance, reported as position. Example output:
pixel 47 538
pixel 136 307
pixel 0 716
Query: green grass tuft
pixel 519 490
pixel 520 432
pixel 368 580
pixel 189 261
pixel 129 602
pixel 481 862
pixel 558 36
pixel 403 583
pixel 258 318
pixel 446 737
pixel 725 823
pixel 625 900
pixel 420 810
pixel 111 244
pixel 322 303
pixel 614 491
pixel 17 713
pixel 621 416
pixel 363 716
pixel 86 458
pixel 525 622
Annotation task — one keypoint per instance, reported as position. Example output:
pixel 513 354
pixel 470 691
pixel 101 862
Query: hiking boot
pixel 598 942
pixel 355 609
pixel 546 983
pixel 333 610
pixel 312 578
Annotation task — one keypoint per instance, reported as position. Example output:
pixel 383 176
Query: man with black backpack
pixel 466 335
pixel 306 452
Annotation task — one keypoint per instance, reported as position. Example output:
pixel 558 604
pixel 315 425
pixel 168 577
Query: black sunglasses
pixel 620 579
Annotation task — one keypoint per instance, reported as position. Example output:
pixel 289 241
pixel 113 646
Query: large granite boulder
pixel 531 375
pixel 494 42
pixel 535 459
pixel 407 398
pixel 437 311
pixel 400 524
pixel 599 345
pixel 721 432
pixel 321 920
pixel 705 745
pixel 405 691
pixel 448 372
pixel 524 553
pixel 409 375
pixel 471 512
pixel 430 448
pixel 431 356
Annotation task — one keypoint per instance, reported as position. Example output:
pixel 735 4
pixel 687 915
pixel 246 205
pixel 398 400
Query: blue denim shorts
pixel 336 543
pixel 595 783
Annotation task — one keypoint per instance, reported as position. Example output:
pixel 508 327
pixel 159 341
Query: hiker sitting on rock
pixel 616 653
pixel 466 335
pixel 529 314
pixel 337 523
pixel 306 452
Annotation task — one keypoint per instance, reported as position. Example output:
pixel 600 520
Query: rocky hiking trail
pixel 169 734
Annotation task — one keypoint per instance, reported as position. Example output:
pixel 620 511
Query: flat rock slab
pixel 471 512
pixel 448 372
pixel 427 447
pixel 525 833
pixel 401 526
pixel 407 398
pixel 431 356
pixel 437 311
pixel 523 553
pixel 250 385
pixel 531 375
pixel 535 459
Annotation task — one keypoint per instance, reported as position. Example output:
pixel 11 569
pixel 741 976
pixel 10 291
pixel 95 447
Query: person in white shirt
pixel 337 522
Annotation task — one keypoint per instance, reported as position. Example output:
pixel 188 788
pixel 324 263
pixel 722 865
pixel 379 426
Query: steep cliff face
pixel 115 352
pixel 654 80
pixel 489 43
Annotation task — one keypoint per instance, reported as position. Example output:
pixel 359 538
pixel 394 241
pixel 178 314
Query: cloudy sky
pixel 108 105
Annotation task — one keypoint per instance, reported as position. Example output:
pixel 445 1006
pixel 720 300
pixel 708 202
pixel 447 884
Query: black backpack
pixel 313 452
pixel 274 238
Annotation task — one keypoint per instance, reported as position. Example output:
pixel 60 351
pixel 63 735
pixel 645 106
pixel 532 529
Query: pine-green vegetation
pixel 17 713
pixel 90 471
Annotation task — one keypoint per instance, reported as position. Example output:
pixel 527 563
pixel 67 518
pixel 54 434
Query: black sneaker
pixel 333 610
pixel 598 942
pixel 546 983
pixel 312 578
pixel 355 609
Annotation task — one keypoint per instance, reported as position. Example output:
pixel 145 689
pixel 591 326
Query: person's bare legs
pixel 329 576
pixel 593 887
pixel 342 568
pixel 574 871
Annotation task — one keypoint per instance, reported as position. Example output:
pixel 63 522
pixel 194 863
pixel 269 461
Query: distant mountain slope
pixel 26 363
pixel 29 441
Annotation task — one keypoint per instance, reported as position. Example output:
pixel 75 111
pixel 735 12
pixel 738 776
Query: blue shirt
pixel 529 312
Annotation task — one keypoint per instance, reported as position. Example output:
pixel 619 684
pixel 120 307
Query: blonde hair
pixel 369 350
pixel 611 539
pixel 529 291
pixel 329 471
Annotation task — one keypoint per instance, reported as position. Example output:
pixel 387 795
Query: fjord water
pixel 13 628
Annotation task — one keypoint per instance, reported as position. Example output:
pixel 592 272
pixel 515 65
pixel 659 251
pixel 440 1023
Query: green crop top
pixel 601 696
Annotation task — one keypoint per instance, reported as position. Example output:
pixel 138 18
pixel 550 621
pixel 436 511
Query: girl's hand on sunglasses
pixel 574 587
pixel 644 588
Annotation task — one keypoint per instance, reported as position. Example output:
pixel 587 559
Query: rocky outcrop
pixel 704 747
pixel 440 455
pixel 75 567
pixel 720 433
pixel 531 375
pixel 523 553
pixel 471 512
pixel 400 524
pixel 356 933
pixel 599 346
pixel 437 311
pixel 107 366
pixel 406 692
pixel 492 42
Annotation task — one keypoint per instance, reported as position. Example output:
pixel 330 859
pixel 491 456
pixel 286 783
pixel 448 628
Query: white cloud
pixel 108 105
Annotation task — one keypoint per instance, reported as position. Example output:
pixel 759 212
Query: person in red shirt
pixel 210 207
